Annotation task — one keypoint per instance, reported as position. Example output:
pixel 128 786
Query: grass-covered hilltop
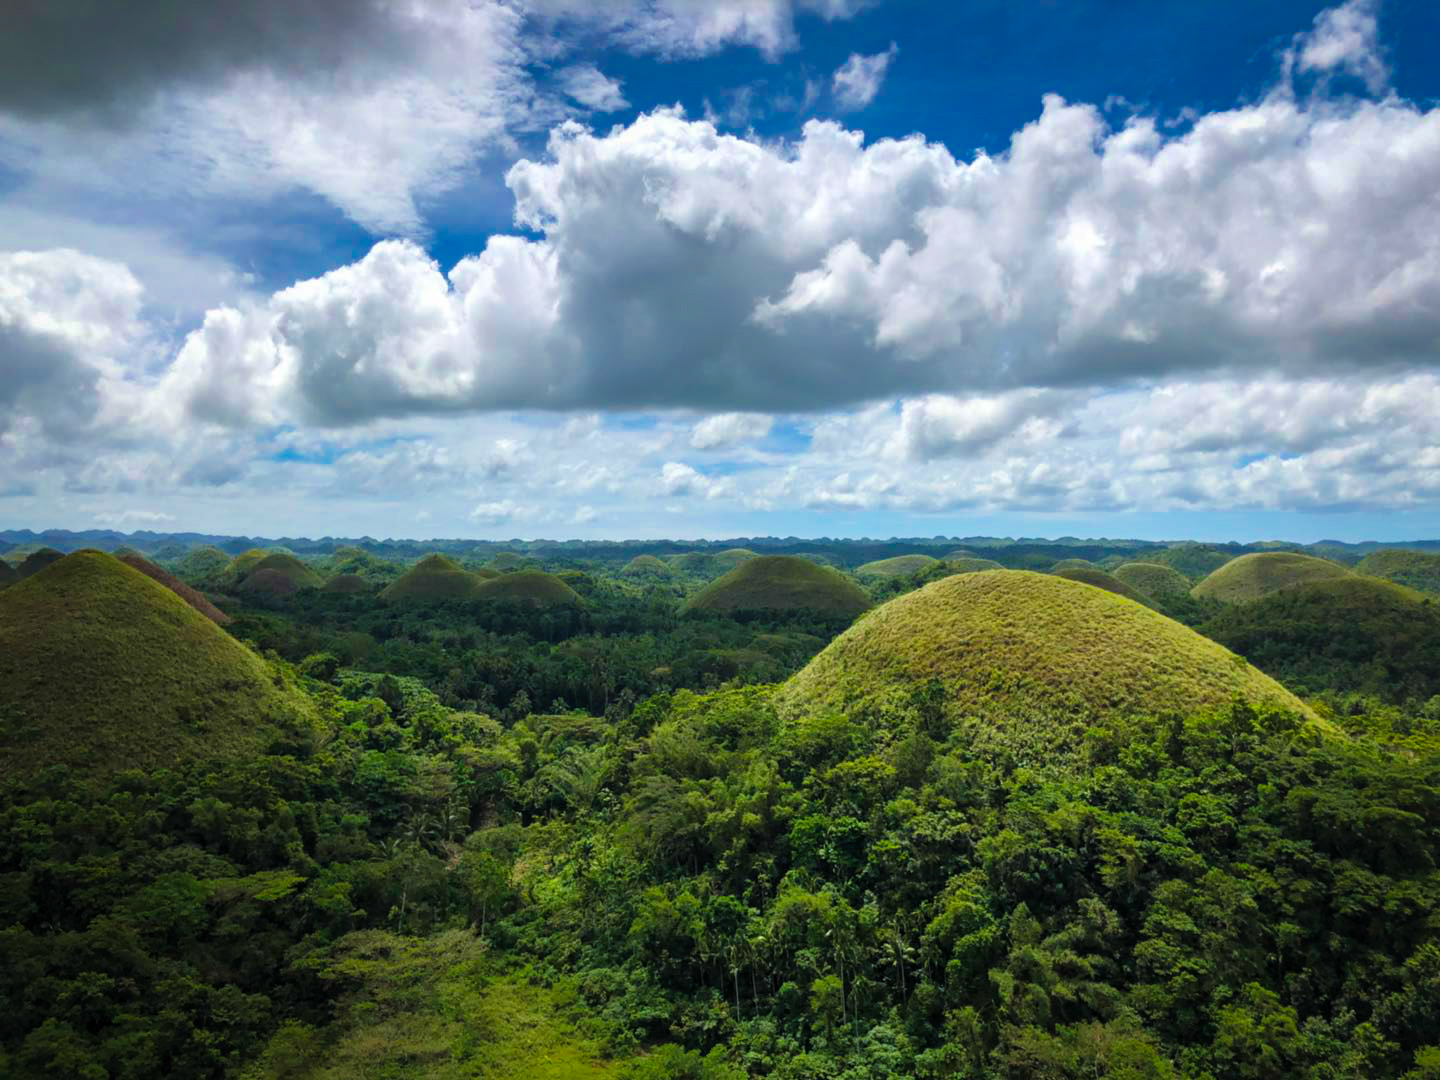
pixel 1251 577
pixel 1007 644
pixel 781 583
pixel 288 809
pixel 103 669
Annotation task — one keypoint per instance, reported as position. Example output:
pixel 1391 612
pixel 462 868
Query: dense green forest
pixel 540 815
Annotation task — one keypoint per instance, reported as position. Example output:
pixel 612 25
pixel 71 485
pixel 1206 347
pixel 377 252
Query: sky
pixel 671 268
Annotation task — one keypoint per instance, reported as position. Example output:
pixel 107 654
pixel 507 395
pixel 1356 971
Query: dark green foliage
pixel 37 561
pixel 1353 634
pixel 1417 569
pixel 533 588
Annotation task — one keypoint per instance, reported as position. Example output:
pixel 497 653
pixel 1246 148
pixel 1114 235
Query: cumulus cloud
pixel 675 266
pixel 69 323
pixel 592 88
pixel 726 430
pixel 856 82
pixel 1346 39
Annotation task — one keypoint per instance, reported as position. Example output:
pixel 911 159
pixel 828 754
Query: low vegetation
pixel 1094 576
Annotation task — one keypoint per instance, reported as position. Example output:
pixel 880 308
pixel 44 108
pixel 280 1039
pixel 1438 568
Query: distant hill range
pixel 1023 552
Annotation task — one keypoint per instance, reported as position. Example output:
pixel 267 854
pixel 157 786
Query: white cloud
pixel 1344 38
pixel 123 519
pixel 592 88
pixel 726 430
pixel 495 513
pixel 857 81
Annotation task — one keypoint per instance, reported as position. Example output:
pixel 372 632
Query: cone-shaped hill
pixel 970 564
pixel 1155 580
pixel 203 564
pixel 102 668
pixel 347 583
pixel 1417 569
pixel 642 566
pixel 265 573
pixel 1008 642
pixel 242 564
pixel 1093 575
pixel 781 583
pixel 899 566
pixel 1351 633
pixel 1073 564
pixel 39 560
pixel 194 597
pixel 433 579
pixel 533 587
pixel 1251 577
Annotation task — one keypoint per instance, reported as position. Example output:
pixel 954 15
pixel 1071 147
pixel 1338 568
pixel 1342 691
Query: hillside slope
pixel 1251 577
pixel 1010 642
pixel 781 583
pixel 102 668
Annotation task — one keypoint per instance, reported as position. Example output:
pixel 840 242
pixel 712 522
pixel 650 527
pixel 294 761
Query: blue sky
pixel 538 268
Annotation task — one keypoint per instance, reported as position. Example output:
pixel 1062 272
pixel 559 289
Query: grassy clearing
pixel 899 566
pixel 1154 580
pixel 1250 577
pixel 102 668
pixel 781 583
pixel 534 587
pixel 1012 641
pixel 1417 569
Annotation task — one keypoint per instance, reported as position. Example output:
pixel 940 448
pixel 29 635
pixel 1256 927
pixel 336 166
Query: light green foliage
pixel 1073 564
pixel 1250 577
pixel 102 668
pixel 784 583
pixel 899 566
pixel 643 566
pixel 1002 643
pixel 1154 580
pixel 1417 569
pixel 1093 575
pixel 242 564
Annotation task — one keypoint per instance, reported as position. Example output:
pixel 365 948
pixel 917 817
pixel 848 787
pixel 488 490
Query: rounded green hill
pixel 1250 577
pixel 781 583
pixel 433 579
pixel 1093 575
pixel 347 583
pixel 971 564
pixel 1155 580
pixel 647 566
pixel 287 566
pixel 1009 642
pixel 1191 559
pixel 203 564
pixel 1417 569
pixel 898 566
pixel 533 587
pixel 39 560
pixel 1351 633
pixel 509 560
pixel 242 564
pixel 1073 564
pixel 194 597
pixel 102 668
